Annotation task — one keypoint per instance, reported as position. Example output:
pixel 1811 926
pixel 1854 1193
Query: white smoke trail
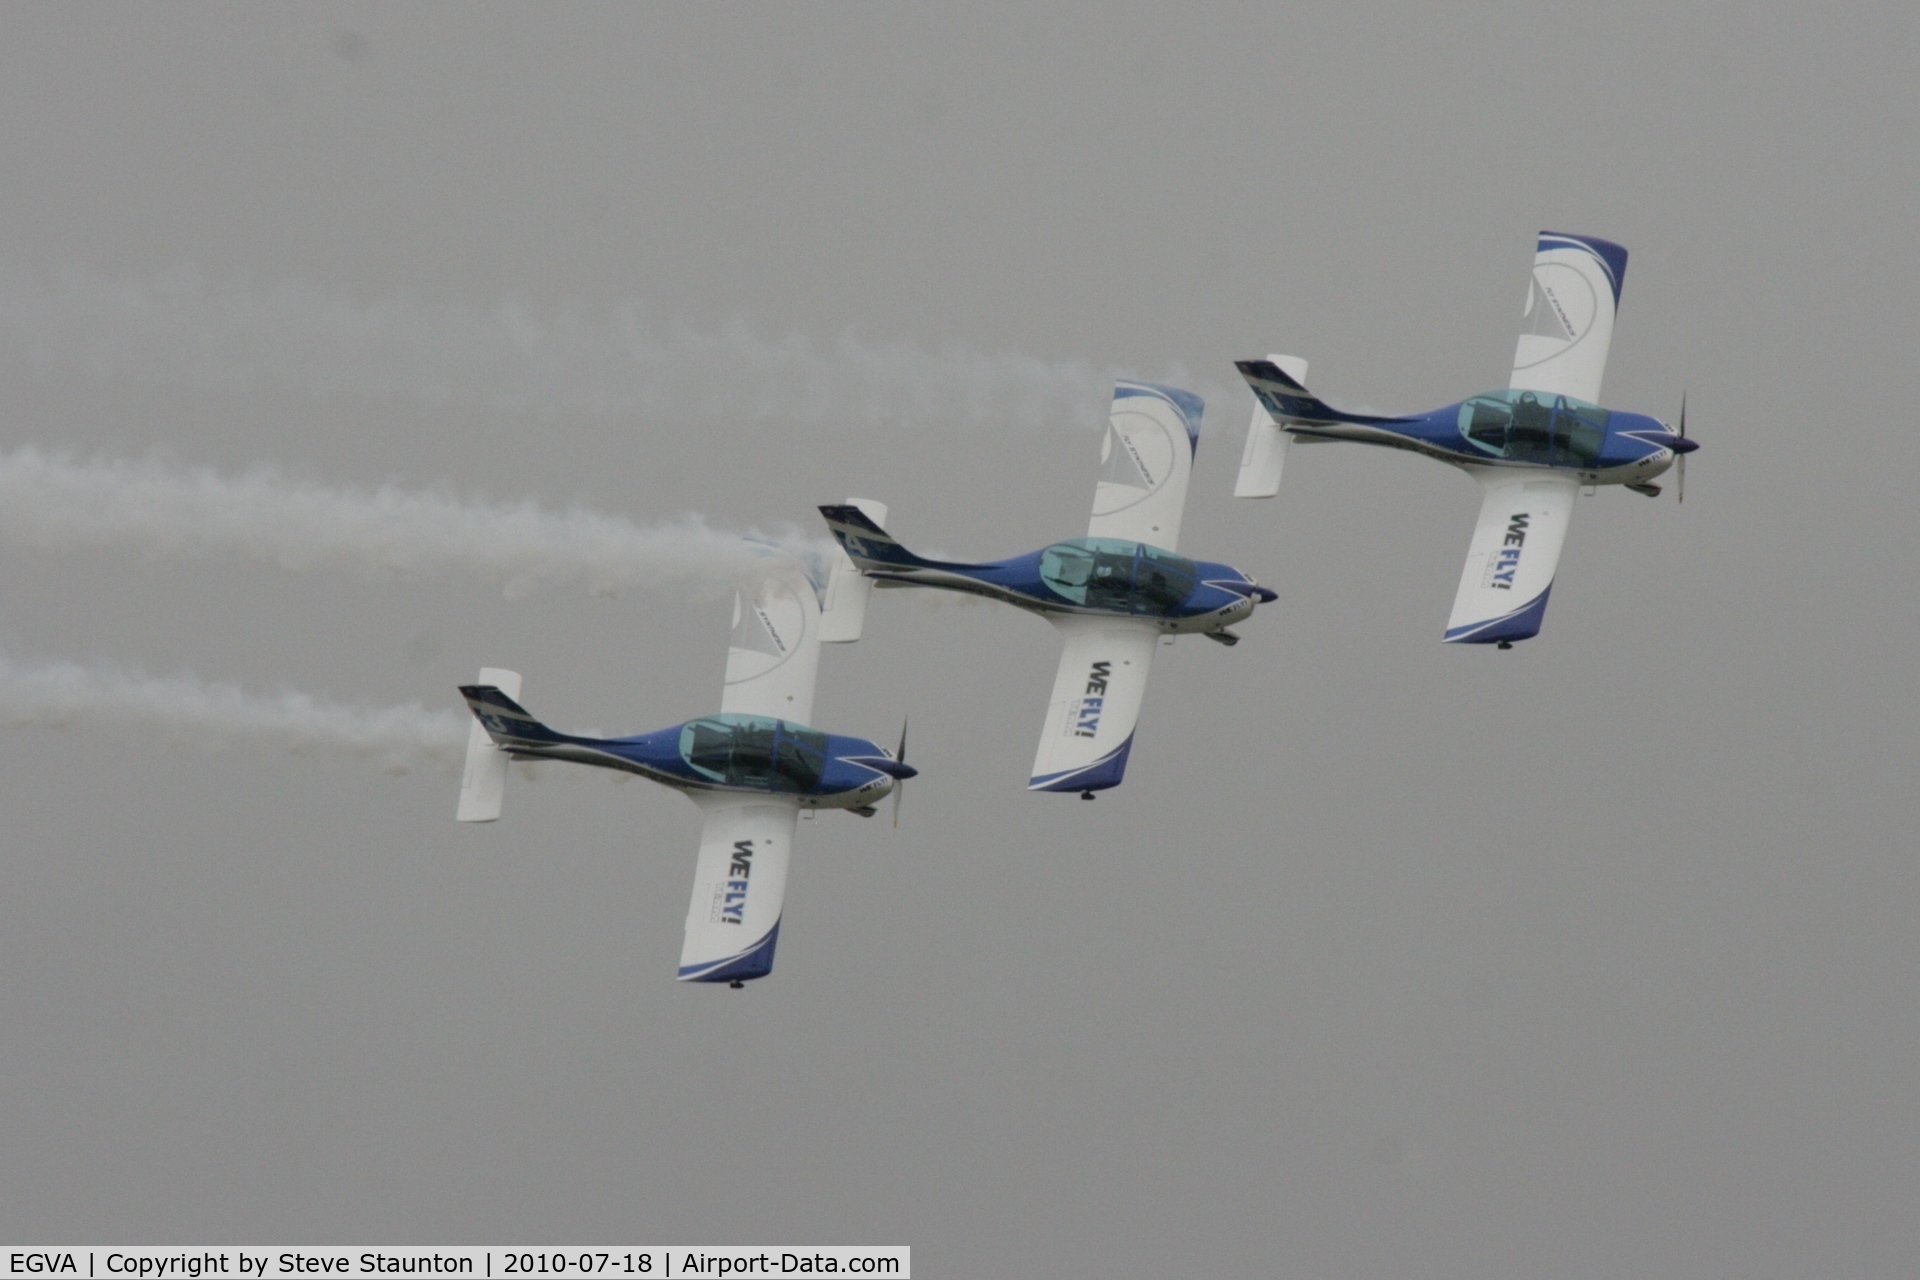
pixel 68 695
pixel 172 328
pixel 50 502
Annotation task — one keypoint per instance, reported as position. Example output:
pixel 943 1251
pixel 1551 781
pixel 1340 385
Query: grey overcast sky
pixel 1595 958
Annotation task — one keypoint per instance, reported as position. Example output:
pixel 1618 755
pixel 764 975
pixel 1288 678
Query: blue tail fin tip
pixel 866 543
pixel 503 718
pixel 850 514
pixel 491 695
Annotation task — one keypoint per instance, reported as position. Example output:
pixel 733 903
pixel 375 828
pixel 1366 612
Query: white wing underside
pixel 1144 468
pixel 1567 327
pixel 774 657
pixel 739 882
pixel 1515 550
pixel 1097 692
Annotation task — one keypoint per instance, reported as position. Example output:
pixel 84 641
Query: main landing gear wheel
pixel 738 984
pixel 1086 795
pixel 1506 644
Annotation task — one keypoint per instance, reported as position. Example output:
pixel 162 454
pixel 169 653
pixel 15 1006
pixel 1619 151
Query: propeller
pixel 900 784
pixel 1680 483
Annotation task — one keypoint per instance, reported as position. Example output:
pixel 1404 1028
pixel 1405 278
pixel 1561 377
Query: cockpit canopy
pixel 1535 426
pixel 1124 577
pixel 754 751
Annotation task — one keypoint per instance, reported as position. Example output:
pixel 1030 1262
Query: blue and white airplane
pixel 1532 447
pixel 752 768
pixel 1111 594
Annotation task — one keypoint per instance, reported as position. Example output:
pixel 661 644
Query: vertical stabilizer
pixel 843 610
pixel 483 784
pixel 1266 451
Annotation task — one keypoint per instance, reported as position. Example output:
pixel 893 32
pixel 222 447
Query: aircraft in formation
pixel 754 766
pixel 1111 594
pixel 1531 447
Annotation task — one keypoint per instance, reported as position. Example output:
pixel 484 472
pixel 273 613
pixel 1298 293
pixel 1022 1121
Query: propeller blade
pixel 900 784
pixel 1680 483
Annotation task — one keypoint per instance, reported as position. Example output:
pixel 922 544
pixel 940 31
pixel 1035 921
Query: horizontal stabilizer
pixel 1266 451
pixel 483 783
pixel 843 611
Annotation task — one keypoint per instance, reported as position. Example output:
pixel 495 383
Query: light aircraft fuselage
pixel 1084 577
pixel 725 753
pixel 1502 429
pixel 1114 595
pixel 1531 448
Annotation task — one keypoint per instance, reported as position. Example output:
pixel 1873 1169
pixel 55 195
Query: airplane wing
pixel 1152 435
pixel 1511 560
pixel 774 656
pixel 739 883
pixel 1096 700
pixel 1568 322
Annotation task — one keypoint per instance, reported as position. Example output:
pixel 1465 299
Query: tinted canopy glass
pixel 754 751
pixel 1534 426
pixel 1118 576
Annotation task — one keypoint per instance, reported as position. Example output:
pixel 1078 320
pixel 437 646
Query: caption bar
pixel 655 1262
